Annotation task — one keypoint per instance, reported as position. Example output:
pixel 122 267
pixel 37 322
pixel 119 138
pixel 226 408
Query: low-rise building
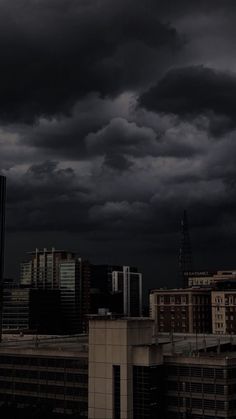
pixel 208 278
pixel 121 372
pixel 186 310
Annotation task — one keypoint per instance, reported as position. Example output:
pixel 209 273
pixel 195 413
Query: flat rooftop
pixel 71 345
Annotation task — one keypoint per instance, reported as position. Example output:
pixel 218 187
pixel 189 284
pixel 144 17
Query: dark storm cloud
pixel 44 197
pixel 53 53
pixel 195 90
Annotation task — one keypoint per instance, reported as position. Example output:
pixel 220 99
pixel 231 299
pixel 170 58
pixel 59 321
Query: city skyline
pixel 113 120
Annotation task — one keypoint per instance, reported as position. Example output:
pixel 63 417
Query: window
pixel 116 391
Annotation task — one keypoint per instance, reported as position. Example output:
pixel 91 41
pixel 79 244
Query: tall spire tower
pixel 185 251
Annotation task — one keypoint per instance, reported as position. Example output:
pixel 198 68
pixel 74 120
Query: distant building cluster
pixel 57 291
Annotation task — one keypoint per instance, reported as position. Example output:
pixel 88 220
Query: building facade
pixel 129 285
pixel 45 380
pixel 16 313
pixel 30 310
pixel 43 270
pixel 116 288
pixel 181 310
pixel 74 287
pixel 223 304
pixel 121 372
pixel 124 371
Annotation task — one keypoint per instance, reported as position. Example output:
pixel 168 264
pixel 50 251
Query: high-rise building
pixel 117 288
pixel 2 237
pixel 129 285
pixel 74 289
pixel 42 271
pixel 31 311
pixel 16 315
pixel 186 310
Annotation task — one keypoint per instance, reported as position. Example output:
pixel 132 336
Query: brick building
pixel 181 310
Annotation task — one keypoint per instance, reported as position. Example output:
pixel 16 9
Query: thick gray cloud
pixel 53 53
pixel 193 91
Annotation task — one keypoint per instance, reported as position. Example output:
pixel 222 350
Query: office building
pixel 117 288
pixel 2 237
pixel 74 289
pixel 120 384
pixel 186 310
pixel 31 311
pixel 42 270
pixel 131 377
pixel 128 285
pixel 121 372
pixel 45 376
pixel 16 313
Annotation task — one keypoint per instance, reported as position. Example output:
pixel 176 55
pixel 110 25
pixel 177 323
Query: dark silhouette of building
pixel 116 288
pixel 31 310
pixel 2 236
pixel 185 251
pixel 75 294
pixel 128 285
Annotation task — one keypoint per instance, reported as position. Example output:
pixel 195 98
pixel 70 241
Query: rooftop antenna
pixel 185 251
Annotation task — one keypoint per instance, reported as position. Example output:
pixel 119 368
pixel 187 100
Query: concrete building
pixel 186 310
pixel 115 346
pixel 45 375
pixel 121 372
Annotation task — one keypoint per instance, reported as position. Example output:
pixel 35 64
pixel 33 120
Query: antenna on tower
pixel 185 251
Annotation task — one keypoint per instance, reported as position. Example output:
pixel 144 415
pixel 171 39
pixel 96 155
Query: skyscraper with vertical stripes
pixel 2 236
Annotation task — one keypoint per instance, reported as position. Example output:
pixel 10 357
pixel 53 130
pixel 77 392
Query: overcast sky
pixel 115 116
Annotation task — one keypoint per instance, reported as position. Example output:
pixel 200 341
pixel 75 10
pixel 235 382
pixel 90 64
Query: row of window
pixel 44 362
pixel 196 403
pixel 43 388
pixel 203 388
pixel 194 371
pixel 44 375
